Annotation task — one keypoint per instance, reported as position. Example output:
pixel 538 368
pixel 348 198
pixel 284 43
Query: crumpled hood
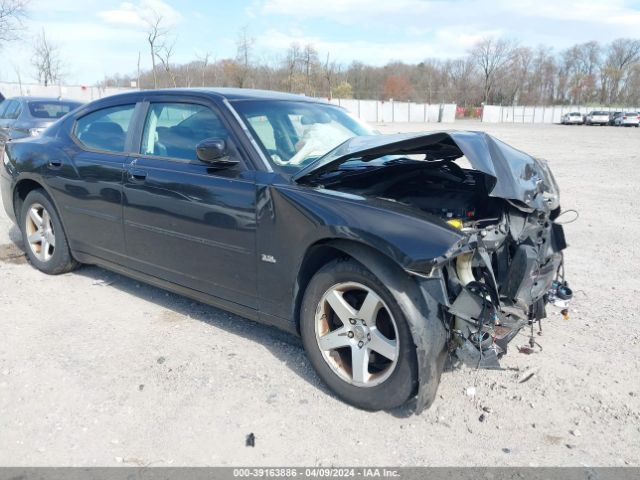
pixel 519 177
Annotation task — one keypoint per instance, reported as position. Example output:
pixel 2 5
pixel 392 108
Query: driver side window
pixel 173 130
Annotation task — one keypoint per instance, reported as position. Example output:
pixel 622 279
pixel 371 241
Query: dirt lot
pixel 97 369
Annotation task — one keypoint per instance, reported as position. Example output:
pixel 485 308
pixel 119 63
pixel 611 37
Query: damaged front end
pixel 497 282
pixel 498 277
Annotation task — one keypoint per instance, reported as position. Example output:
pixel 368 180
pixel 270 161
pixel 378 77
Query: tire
pixel 44 238
pixel 387 381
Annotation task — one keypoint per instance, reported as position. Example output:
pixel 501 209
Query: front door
pixel 185 221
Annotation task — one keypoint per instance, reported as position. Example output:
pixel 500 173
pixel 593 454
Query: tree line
pixel 493 71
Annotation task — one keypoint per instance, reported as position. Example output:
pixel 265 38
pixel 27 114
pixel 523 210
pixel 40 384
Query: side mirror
pixel 214 152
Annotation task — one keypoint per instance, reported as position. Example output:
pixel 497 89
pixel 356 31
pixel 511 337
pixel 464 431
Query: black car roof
pixel 255 94
pixel 231 94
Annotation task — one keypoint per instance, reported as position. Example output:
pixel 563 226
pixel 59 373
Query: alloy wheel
pixel 40 232
pixel 357 334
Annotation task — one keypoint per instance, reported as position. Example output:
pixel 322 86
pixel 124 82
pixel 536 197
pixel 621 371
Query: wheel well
pixel 22 189
pixel 318 255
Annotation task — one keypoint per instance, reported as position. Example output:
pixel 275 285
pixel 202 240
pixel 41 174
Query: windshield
pixel 51 110
pixel 294 134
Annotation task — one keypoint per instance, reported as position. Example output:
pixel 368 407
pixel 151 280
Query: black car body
pixel 29 116
pixel 469 253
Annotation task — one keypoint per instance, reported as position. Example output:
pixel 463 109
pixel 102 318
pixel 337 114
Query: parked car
pixel 29 116
pixel 628 119
pixel 613 116
pixel 597 118
pixel 381 251
pixel 573 118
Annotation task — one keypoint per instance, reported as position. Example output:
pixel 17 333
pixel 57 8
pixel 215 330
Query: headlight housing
pixel 551 190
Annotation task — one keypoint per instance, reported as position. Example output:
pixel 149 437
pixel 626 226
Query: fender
pixel 306 217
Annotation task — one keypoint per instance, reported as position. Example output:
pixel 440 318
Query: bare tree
pixel 623 54
pixel 204 63
pixel 138 75
pixel 12 12
pixel 330 70
pixel 244 56
pixel 545 75
pixel 310 62
pixel 460 80
pixel 156 34
pixel 292 61
pixel 164 54
pixel 513 82
pixel 579 65
pixel 491 55
pixel 46 60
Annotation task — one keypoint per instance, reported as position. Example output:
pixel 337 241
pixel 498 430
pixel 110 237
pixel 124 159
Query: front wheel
pixel 44 238
pixel 357 337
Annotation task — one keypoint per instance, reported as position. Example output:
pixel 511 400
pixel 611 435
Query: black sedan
pixel 385 253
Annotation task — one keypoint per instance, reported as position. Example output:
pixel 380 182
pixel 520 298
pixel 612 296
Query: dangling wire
pixel 483 291
pixel 567 221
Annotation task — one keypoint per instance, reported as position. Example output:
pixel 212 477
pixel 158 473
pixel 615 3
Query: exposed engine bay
pixel 440 188
pixel 501 275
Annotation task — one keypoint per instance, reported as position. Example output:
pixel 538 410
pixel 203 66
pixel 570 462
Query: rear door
pixel 90 189
pixel 185 221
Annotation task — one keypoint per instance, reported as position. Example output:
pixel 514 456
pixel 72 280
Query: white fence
pixel 75 92
pixel 375 111
pixel 524 114
pixel 372 111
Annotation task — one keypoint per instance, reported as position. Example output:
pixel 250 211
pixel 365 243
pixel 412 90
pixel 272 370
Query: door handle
pixel 55 163
pixel 137 174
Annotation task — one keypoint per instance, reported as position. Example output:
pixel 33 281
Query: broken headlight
pixel 551 191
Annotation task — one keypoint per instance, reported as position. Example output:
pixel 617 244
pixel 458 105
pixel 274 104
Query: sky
pixel 103 37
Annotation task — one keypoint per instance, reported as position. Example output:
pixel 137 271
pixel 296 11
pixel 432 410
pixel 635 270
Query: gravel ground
pixel 97 369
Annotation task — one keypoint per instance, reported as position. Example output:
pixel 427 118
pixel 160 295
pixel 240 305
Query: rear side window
pixel 105 129
pixel 11 110
pixel 51 110
pixel 174 129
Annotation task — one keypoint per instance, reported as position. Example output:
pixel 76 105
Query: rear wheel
pixel 357 338
pixel 44 238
